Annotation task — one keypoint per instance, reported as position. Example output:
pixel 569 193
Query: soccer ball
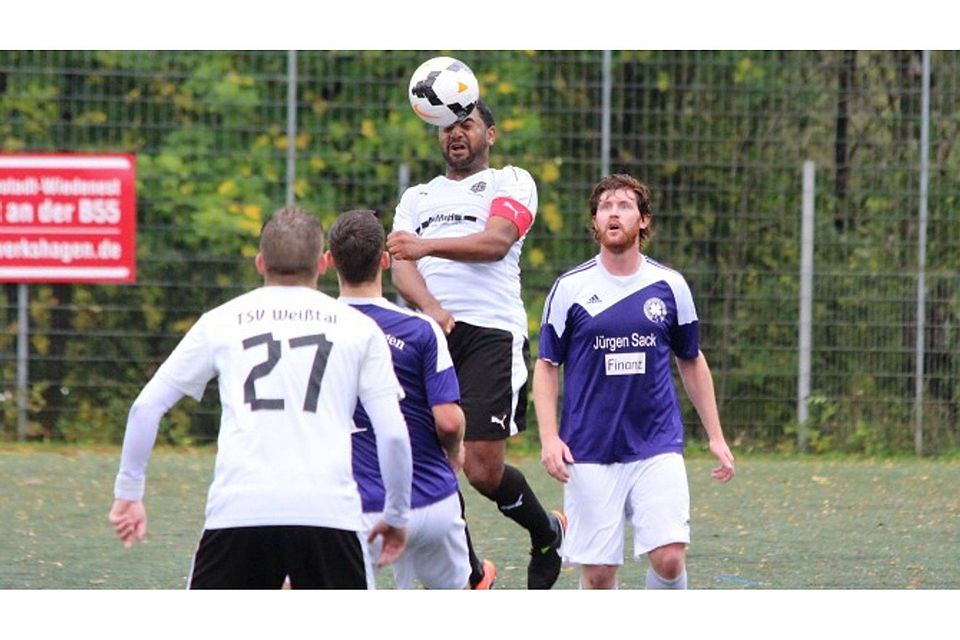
pixel 443 90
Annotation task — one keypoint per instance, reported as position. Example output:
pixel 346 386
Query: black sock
pixel 476 567
pixel 516 500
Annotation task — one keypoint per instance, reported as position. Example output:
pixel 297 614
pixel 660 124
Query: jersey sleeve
pixel 439 376
pixel 143 421
pixel 405 215
pixel 517 185
pixel 190 367
pixel 554 336
pixel 685 334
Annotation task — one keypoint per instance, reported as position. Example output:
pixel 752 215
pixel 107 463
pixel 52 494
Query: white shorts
pixel 436 552
pixel 599 498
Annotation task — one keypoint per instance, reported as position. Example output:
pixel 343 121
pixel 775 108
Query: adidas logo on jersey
pixel 594 299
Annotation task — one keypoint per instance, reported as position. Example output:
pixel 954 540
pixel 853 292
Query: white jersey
pixel 291 363
pixel 485 294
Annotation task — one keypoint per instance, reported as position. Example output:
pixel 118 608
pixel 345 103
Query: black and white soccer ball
pixel 443 90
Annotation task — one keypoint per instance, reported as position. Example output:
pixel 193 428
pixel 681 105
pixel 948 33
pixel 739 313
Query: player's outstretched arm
pixel 698 383
pixel 554 453
pixel 128 515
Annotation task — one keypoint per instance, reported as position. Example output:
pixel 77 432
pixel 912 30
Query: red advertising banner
pixel 68 218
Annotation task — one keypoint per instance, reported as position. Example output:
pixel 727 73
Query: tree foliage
pixel 719 137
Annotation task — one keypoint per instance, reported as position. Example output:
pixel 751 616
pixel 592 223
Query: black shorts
pixel 492 368
pixel 262 557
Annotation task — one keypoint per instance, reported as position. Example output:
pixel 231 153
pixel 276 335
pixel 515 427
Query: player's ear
pixel 491 135
pixel 324 262
pixel 260 264
pixel 385 260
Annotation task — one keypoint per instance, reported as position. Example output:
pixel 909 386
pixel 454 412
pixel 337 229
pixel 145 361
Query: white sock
pixel 655 581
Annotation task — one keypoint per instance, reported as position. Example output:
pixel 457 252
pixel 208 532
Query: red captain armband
pixel 513 211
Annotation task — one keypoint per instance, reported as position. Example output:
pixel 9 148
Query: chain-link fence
pixel 720 137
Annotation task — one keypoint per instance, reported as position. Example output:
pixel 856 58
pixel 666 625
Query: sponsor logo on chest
pixel 624 364
pixel 615 343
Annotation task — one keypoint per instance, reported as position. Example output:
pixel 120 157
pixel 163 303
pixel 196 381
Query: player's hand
pixel 393 540
pixel 726 470
pixel 457 460
pixel 555 456
pixel 404 245
pixel 129 520
pixel 442 317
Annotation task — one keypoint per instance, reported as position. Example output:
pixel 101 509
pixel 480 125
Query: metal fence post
pixel 291 124
pixel 806 304
pixel 23 352
pixel 922 256
pixel 606 93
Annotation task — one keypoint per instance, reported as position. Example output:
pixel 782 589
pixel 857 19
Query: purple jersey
pixel 425 371
pixel 615 337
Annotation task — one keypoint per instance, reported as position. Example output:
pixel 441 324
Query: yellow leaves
pixel 550 172
pixel 301 187
pixel 551 216
pixel 318 164
pixel 226 187
pixel 747 71
pixel 536 256
pixel 13 144
pixel 663 82
pixel 511 124
pixel 368 129
pixel 41 343
pixel 384 172
pixel 91 117
pixel 241 81
pixel 281 142
pixel 506 88
pixel 253 211
pixel 670 167
pixel 183 325
pixel 533 324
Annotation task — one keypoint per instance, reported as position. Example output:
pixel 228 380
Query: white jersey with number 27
pixel 291 364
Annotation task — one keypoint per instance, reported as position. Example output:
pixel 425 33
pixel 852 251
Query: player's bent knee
pixel 483 478
pixel 668 560
pixel 484 469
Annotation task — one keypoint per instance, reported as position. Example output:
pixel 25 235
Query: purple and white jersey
pixel 614 336
pixel 425 371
